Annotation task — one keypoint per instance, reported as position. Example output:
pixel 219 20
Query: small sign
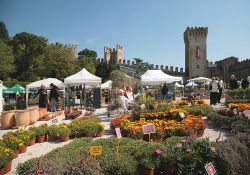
pixel 21 128
pixel 118 133
pixel 95 150
pixel 210 169
pixel 247 113
pixel 142 119
pixel 182 115
pixel 149 128
pixel 235 111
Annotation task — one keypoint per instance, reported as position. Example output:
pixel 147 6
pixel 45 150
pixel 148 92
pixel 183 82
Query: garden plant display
pixel 176 155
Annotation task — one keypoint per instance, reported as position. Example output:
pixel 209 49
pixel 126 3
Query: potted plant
pixel 6 156
pixel 100 130
pixel 158 135
pixel 32 137
pixel 64 132
pixel 200 126
pixel 53 132
pixel 41 132
pixel 12 142
pixel 24 136
pixel 90 129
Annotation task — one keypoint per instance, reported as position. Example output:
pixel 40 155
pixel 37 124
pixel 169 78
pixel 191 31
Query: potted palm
pixel 64 132
pixel 53 132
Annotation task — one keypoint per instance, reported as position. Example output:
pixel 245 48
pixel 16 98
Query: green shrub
pixel 198 110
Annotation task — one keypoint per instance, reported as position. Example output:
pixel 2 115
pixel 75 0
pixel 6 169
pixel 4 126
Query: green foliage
pixel 6 61
pixel 233 156
pixel 87 63
pixel 53 129
pixel 4 34
pixel 196 110
pixel 238 95
pixel 57 62
pixel 87 53
pixel 103 71
pixel 27 49
pixel 40 130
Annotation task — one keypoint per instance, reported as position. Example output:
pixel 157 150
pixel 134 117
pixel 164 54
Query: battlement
pixel 192 32
pixel 72 48
pixel 245 64
pixel 212 64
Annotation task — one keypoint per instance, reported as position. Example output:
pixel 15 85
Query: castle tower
pixel 113 56
pixel 196 63
pixel 72 48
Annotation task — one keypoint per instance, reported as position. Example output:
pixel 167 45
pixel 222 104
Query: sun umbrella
pixel 17 89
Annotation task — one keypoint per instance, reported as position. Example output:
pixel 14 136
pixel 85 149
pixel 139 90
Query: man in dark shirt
pixel 53 97
pixel 164 91
pixel 244 83
pixel 233 83
pixel 43 100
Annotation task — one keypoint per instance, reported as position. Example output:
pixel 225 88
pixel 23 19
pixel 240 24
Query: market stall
pixel 106 92
pixel 76 86
pixel 157 78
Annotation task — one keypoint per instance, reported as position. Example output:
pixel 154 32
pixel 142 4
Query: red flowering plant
pixel 116 121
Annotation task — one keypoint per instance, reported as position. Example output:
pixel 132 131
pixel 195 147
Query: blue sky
pixel 151 30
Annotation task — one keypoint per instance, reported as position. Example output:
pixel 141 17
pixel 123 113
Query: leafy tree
pixel 102 71
pixel 138 60
pixel 28 49
pixel 4 34
pixel 6 61
pixel 86 53
pixel 59 62
pixel 87 63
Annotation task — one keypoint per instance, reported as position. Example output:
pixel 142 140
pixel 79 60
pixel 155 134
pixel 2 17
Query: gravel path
pixel 43 148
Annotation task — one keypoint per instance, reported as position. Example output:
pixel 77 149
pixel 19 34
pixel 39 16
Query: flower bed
pixel 176 155
pixel 167 124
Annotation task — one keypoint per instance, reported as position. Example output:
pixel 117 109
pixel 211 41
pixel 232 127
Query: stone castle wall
pixel 240 69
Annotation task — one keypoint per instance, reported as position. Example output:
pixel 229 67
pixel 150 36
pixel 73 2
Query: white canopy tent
pixel 44 82
pixel 191 84
pixel 200 80
pixel 107 85
pixel 157 77
pixel 83 77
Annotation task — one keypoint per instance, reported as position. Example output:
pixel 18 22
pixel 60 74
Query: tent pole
pixel 27 97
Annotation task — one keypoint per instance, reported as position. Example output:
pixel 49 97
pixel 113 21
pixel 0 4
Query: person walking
pixel 244 83
pixel 164 91
pixel 214 90
pixel 53 97
pixel 221 87
pixel 233 83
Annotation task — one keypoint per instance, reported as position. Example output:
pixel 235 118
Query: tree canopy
pixel 6 61
pixel 86 53
pixel 4 34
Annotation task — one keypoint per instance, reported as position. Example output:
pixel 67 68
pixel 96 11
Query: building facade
pixel 196 62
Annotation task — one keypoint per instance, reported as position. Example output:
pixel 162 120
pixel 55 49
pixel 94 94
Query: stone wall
pixel 240 69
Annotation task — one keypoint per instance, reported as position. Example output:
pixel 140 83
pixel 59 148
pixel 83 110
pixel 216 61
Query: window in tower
pixel 198 66
pixel 197 52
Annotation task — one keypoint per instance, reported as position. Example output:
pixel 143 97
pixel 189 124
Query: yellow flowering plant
pixel 6 154
pixel 11 141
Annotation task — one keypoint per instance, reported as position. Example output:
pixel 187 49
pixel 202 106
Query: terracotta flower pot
pixel 40 139
pixel 169 169
pixel 42 112
pixel 200 132
pixel 8 119
pixel 7 167
pixel 2 171
pixel 146 171
pixel 52 137
pixel 48 116
pixel 16 152
pixel 99 134
pixel 32 141
pixel 64 138
pixel 23 149
pixel 22 117
pixel 89 134
pixel 34 115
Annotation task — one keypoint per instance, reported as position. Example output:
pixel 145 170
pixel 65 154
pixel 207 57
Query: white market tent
pixel 179 85
pixel 200 79
pixel 46 83
pixel 191 84
pixel 107 85
pixel 83 77
pixel 157 77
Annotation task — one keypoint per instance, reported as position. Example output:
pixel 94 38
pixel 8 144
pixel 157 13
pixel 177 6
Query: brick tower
pixel 113 56
pixel 196 63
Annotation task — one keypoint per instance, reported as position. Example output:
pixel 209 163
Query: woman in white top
pixel 214 90
pixel 123 101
